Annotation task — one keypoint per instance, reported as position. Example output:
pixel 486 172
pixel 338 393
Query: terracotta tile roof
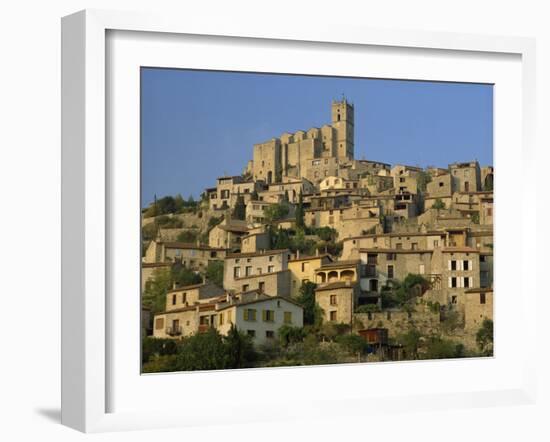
pixel 252 254
pixel 185 245
pixel 337 285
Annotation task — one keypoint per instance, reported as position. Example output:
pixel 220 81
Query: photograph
pixel 296 220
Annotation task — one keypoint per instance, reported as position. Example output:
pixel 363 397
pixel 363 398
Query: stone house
pixel 258 315
pixel 193 256
pixel 486 210
pixel 266 271
pixel 466 177
pixel 188 310
pixel 338 301
pixel 478 306
pixel 228 234
pixel 255 242
pixel 302 269
pixel 224 195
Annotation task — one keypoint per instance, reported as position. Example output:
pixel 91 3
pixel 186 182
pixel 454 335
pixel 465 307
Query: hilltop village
pixel 311 250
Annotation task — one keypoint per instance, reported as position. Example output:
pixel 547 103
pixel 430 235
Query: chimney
pixel 316 252
pixel 298 254
pixel 174 285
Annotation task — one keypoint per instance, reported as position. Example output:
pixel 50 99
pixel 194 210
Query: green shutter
pixel 264 315
pixel 245 314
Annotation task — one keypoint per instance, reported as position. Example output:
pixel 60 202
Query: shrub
pixel 367 308
pixel 352 343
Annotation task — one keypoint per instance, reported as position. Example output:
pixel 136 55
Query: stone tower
pixel 343 123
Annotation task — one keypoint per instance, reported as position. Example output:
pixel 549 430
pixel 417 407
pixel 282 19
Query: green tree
pixel 202 351
pixel 214 272
pixel 484 337
pixel 154 295
pixel 367 308
pixel 179 203
pixel 313 314
pixel 300 223
pixel 422 180
pixel 157 346
pixel 184 276
pixel 438 204
pixel 410 342
pixel 239 349
pixel 276 212
pixel 352 343
pixel 189 236
pixel 439 348
pixel 239 212
pixel 290 335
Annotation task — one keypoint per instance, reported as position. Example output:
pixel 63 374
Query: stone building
pixel 338 301
pixel 312 154
pixel 302 269
pixel 466 177
pixel 228 234
pixel 193 256
pixel 224 195
pixel 478 306
pixel 266 271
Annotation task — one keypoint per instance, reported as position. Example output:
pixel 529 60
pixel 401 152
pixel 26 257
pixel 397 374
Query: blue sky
pixel 198 125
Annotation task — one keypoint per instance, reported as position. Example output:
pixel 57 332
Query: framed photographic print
pixel 270 210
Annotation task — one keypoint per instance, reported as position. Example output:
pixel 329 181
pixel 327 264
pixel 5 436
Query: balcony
pixel 173 331
pixel 203 328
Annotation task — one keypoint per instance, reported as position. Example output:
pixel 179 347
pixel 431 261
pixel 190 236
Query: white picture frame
pixel 87 208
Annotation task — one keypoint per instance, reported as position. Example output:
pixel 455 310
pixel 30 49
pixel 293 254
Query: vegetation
pixel 214 272
pixel 202 351
pixel 169 204
pixel 313 314
pixel 300 223
pixel 422 180
pixel 438 204
pixel 188 236
pixel 484 338
pixel 163 280
pixel 475 217
pixel 403 294
pixel 276 212
pixel 239 212
pixel 367 308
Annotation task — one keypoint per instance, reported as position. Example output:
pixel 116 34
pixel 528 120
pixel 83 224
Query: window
pixel 390 272
pixel 304 266
pixel 249 314
pixel 221 319
pixel 269 334
pixel 401 180
pixel 184 297
pixel 259 270
pixel 251 333
pixel 454 299
pixel 178 252
pixel 333 300
pixel 436 243
pixel 174 299
pixel 236 272
pixel 261 286
pixel 482 298
pixel 270 258
pixel 467 282
pixel 414 246
pixel 248 270
pixel 333 315
pixel 288 317
pixel 441 184
pixel 390 256
pixel 465 265
pixel 372 258
pixel 159 323
pixel 268 315
pixel 245 287
pixel 454 281
pixel 399 246
pixel 453 265
pixel 270 269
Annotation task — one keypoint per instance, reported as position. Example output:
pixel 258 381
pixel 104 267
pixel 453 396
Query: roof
pixel 146 265
pixel 311 257
pixel 252 254
pixel 185 245
pixel 337 285
pixel 460 250
pixel 234 228
pixel 261 275
pixel 388 250
pixel 263 299
pixel 339 264
pixel 191 287
pixel 479 290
